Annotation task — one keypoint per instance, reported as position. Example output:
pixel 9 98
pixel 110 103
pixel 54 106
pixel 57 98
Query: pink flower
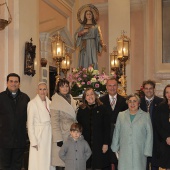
pixel 102 77
pixel 85 77
pixel 89 82
pixel 97 85
pixel 79 79
pixel 70 78
pixel 84 69
pixel 76 75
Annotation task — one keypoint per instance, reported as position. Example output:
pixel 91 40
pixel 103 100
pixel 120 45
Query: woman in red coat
pixel 94 119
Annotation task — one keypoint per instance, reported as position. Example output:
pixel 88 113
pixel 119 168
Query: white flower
pixel 90 69
pixel 78 84
pixel 93 80
pixel 95 72
pixel 103 82
pixel 75 70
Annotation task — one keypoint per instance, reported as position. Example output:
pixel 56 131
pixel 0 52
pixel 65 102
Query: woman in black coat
pixel 95 121
pixel 162 124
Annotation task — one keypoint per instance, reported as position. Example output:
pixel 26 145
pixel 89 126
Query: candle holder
pixel 123 45
pixel 65 65
pixel 115 64
pixel 58 51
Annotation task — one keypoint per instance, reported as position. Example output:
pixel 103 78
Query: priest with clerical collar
pixel 13 117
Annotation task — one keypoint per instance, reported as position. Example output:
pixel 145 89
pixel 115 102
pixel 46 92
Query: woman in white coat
pixel 62 109
pixel 132 137
pixel 39 130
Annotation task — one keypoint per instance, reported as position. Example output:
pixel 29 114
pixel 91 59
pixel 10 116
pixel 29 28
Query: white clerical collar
pixel 149 99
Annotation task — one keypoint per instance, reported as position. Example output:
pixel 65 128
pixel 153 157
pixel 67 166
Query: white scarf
pixel 59 103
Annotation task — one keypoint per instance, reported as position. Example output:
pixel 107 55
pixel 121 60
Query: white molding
pixel 16 30
pixel 163 76
pixel 67 3
pixel 146 41
pixel 56 8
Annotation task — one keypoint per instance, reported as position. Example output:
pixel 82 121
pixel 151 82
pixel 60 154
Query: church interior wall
pixel 24 26
pixel 137 46
pixel 35 17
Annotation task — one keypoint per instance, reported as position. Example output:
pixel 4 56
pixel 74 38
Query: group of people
pixel 138 134
pixel 105 133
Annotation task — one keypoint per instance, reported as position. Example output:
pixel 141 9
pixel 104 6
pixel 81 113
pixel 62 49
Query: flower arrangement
pixel 140 92
pixel 82 78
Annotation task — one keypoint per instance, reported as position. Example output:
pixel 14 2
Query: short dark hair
pixel 151 82
pixel 76 127
pixel 13 75
pixel 112 78
pixel 60 83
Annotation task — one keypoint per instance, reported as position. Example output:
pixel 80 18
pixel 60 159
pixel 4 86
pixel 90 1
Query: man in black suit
pixel 149 104
pixel 13 117
pixel 114 104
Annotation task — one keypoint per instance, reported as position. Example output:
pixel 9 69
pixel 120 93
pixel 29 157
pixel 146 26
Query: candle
pixel 58 51
pixel 63 64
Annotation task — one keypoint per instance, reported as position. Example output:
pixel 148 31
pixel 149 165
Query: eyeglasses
pixel 148 88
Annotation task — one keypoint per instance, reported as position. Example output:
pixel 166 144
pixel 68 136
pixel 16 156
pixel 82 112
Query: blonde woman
pixel 39 130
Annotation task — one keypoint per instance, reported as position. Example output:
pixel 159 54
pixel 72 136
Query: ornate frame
pixel 29 58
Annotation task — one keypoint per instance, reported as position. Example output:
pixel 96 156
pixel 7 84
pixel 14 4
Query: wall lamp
pixel 118 59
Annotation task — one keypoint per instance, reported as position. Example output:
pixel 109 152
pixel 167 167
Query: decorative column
pixel 45 55
pixel 119 19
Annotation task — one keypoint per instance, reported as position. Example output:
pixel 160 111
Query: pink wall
pixel 103 59
pixel 51 19
pixel 137 48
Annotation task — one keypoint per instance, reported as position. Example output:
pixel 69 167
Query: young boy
pixel 75 151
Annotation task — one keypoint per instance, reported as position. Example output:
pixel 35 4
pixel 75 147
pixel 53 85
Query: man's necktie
pixel 112 103
pixel 148 103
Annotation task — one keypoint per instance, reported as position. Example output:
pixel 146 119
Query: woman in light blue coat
pixel 133 138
